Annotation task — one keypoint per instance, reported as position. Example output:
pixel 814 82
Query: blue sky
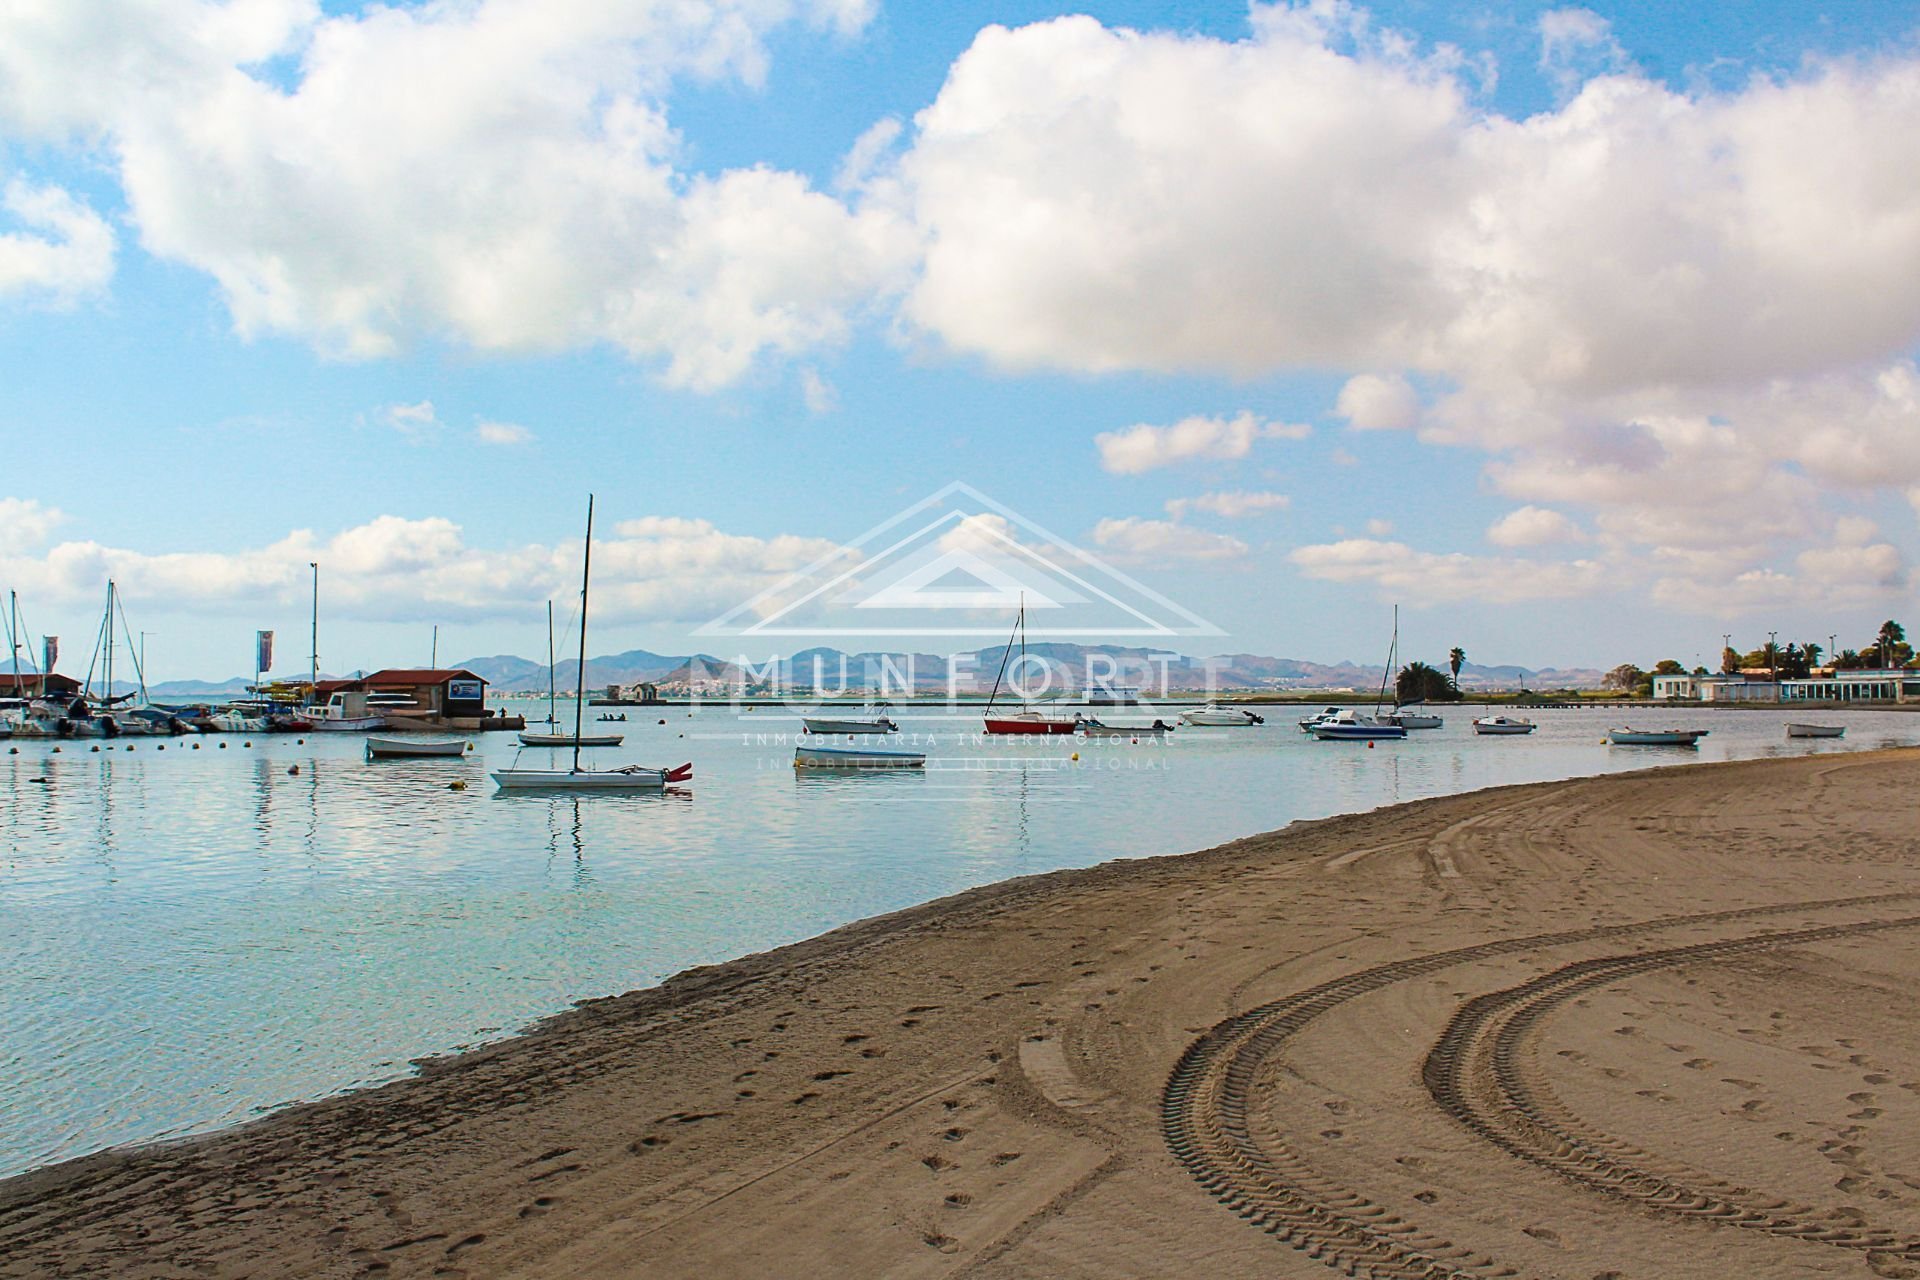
pixel 1583 333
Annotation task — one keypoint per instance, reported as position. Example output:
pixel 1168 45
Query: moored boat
pixel 871 723
pixel 856 758
pixel 1307 722
pixel 1815 730
pixel 568 739
pixel 1350 726
pixel 1655 737
pixel 1494 726
pixel 1030 722
pixel 1219 716
pixel 415 748
pixel 1095 729
pixel 1412 719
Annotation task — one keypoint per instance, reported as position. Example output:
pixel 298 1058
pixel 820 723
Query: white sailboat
pixel 576 738
pixel 631 777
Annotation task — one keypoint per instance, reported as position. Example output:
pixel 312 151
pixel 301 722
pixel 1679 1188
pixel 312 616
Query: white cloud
pixel 1533 527
pixel 25 524
pixel 1233 505
pixel 495 173
pixel 1131 540
pixel 1575 45
pixel 1144 447
pixel 417 423
pixel 502 433
pixel 1420 577
pixel 402 569
pixel 1377 528
pixel 73 255
pixel 1370 402
pixel 817 393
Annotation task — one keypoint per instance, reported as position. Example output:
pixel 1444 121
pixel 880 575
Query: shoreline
pixel 1010 1042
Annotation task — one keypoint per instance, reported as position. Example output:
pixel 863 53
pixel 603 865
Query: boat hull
pixel 849 727
pixel 1495 730
pixel 1656 737
pixel 1815 730
pixel 1122 731
pixel 404 749
pixel 346 724
pixel 1030 727
pixel 632 778
pixel 832 758
pixel 566 739
pixel 1407 721
pixel 1358 732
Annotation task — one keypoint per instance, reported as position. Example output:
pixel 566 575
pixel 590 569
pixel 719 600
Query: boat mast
pixel 551 695
pixel 109 625
pixel 1393 651
pixel 580 683
pixel 313 663
pixel 13 637
pixel 1019 628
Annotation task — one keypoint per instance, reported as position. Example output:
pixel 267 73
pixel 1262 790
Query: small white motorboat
pixel 1497 725
pixel 1412 719
pixel 856 758
pixel 633 777
pixel 568 739
pixel 1655 737
pixel 1307 723
pixel 866 724
pixel 1095 729
pixel 1218 716
pixel 1350 726
pixel 236 722
pixel 415 748
pixel 1815 730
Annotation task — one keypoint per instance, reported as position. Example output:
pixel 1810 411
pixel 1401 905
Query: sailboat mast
pixel 313 637
pixel 552 696
pixel 580 683
pixel 1019 629
pixel 109 690
pixel 13 636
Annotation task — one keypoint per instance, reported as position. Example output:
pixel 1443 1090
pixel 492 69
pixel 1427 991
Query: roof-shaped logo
pixel 958 563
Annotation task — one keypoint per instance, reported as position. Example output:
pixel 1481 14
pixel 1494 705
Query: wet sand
pixel 1655 1024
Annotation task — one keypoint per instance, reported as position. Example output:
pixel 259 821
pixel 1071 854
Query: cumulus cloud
pixel 502 433
pixel 495 173
pixel 25 524
pixel 817 393
pixel 1370 402
pixel 1423 577
pixel 1145 447
pixel 397 568
pixel 65 253
pixel 1575 46
pixel 1131 540
pixel 416 423
pixel 1234 505
pixel 1533 527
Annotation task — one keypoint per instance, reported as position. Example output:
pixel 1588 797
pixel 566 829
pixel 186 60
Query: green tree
pixel 1848 660
pixel 1626 678
pixel 1891 645
pixel 1418 682
pixel 1669 667
pixel 1456 659
pixel 1729 662
pixel 1812 653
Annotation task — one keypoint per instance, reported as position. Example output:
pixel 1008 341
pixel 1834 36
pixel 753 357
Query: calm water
pixel 192 937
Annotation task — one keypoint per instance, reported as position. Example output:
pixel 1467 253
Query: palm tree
pixel 1891 634
pixel 1418 682
pixel 1456 659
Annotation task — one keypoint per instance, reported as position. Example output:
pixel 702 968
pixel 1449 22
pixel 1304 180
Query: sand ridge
pixel 1653 1024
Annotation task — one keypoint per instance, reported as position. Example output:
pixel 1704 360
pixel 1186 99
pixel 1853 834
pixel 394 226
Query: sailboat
pixel 1348 725
pixel 576 738
pixel 631 777
pixel 1022 722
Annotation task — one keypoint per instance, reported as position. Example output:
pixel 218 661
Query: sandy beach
pixel 1655 1024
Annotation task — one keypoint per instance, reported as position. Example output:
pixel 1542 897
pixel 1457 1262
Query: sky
pixel 1582 334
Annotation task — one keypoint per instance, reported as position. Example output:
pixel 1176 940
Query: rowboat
pixel 1815 730
pixel 568 739
pixel 1216 716
pixel 632 777
pixel 1350 726
pixel 1495 725
pixel 1655 737
pixel 873 724
pixel 1094 729
pixel 856 758
pixel 414 748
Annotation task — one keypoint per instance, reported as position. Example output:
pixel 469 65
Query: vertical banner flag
pixel 263 651
pixel 51 646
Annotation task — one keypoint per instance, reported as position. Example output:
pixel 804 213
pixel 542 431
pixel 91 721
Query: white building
pixel 1680 686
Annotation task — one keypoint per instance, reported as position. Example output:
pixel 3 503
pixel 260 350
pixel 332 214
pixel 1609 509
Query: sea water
pixel 192 937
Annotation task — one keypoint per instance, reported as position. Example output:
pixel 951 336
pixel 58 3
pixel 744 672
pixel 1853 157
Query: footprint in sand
pixel 1698 1064
pixel 1005 1158
pixel 959 1200
pixel 937 1162
pixel 540 1205
pixel 941 1241
pixel 853 1039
